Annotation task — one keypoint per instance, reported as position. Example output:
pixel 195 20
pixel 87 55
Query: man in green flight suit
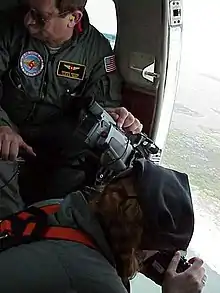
pixel 49 54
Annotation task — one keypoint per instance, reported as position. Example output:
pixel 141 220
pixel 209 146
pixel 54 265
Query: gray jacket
pixel 63 266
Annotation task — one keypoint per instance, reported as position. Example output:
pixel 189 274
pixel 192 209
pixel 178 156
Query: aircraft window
pixel 105 22
pixel 193 144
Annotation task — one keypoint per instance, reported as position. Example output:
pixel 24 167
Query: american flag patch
pixel 110 65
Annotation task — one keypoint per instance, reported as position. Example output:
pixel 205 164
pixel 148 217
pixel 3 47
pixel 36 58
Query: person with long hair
pixel 147 208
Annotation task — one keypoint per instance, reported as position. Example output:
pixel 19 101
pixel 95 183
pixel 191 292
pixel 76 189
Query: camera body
pixel 155 266
pixel 115 148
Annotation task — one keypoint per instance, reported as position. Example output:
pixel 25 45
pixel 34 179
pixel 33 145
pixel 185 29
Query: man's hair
pixel 70 5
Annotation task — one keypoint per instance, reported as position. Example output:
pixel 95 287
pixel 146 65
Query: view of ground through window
pixel 193 144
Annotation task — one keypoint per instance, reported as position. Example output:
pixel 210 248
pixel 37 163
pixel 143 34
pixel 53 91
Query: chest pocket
pixel 26 73
pixel 15 79
pixel 72 78
pixel 71 70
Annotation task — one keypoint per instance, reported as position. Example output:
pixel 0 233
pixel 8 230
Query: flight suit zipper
pixel 42 92
pixel 49 67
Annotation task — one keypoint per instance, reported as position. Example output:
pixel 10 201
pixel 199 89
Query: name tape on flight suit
pixel 71 70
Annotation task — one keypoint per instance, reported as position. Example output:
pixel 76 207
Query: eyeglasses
pixel 41 19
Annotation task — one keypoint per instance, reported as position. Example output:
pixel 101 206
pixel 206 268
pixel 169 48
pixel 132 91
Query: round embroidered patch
pixel 31 63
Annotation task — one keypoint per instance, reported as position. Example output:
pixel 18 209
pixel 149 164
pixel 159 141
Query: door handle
pixel 145 73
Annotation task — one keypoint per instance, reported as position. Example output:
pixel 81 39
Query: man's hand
pixel 126 120
pixel 10 143
pixel 190 281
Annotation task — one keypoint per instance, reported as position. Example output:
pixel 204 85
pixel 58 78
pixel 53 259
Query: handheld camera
pixel 117 150
pixel 155 266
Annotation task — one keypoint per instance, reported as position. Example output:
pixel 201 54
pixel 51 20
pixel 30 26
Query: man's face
pixel 45 22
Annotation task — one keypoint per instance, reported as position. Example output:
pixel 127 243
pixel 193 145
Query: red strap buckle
pixel 5 228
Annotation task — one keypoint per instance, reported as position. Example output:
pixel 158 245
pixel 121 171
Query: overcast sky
pixel 102 15
pixel 201 38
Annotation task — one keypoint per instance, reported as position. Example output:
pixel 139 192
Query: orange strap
pixel 61 233
pixel 48 232
pixel 49 209
pixel 64 233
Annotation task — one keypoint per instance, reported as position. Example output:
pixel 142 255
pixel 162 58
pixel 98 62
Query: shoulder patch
pixel 109 63
pixel 71 70
pixel 31 63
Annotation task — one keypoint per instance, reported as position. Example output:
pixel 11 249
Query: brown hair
pixel 70 5
pixel 122 218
